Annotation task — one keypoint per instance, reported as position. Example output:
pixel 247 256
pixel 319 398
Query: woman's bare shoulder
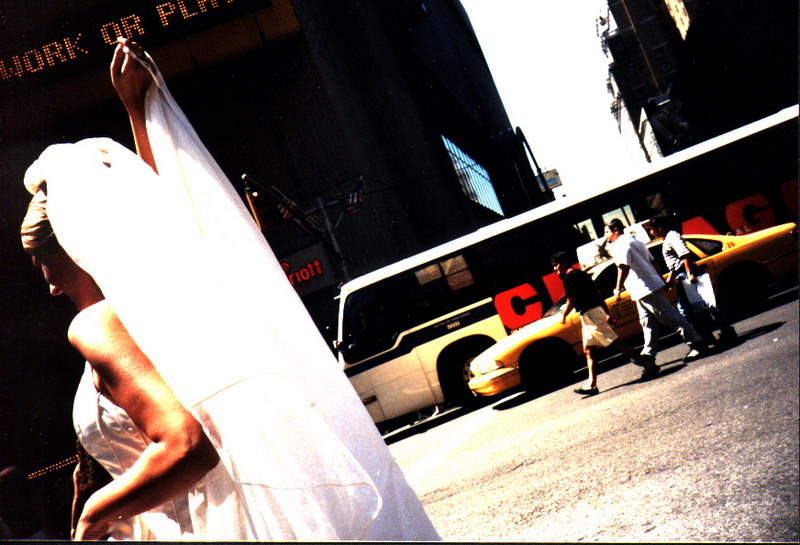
pixel 97 330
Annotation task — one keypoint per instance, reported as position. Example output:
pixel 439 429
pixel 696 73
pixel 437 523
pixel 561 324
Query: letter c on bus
pixel 518 306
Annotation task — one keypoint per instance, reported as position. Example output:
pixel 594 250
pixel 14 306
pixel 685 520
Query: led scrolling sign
pixel 156 23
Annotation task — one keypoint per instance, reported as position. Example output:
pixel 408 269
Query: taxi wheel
pixel 743 289
pixel 466 373
pixel 548 365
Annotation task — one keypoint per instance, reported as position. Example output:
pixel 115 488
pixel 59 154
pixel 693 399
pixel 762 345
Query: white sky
pixel 551 74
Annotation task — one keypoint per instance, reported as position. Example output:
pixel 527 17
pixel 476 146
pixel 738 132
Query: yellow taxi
pixel 741 269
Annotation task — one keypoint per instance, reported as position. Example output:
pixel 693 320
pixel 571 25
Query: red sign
pixel 309 270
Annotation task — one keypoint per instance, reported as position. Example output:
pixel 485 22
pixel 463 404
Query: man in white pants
pixel 636 271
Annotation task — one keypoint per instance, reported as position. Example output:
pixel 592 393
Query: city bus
pixel 408 331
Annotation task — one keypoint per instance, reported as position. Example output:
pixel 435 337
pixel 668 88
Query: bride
pixel 208 394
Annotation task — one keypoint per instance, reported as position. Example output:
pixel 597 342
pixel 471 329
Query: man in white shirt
pixel 637 271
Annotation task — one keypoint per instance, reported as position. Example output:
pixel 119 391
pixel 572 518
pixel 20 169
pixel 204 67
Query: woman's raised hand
pixel 129 77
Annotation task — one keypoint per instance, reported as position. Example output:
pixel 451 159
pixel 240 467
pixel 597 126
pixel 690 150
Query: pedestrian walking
pixel 637 272
pixel 696 300
pixel 596 322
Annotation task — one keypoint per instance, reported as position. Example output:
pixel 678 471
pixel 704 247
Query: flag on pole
pixel 314 218
pixel 287 208
pixel 355 199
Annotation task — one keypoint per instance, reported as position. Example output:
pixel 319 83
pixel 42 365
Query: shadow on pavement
pixel 664 372
pixel 516 401
pixel 757 332
pixel 437 419
pixel 781 293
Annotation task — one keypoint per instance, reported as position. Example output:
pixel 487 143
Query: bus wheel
pixel 548 365
pixel 453 368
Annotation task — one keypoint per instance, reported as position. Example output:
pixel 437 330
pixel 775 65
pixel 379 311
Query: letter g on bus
pixel 518 306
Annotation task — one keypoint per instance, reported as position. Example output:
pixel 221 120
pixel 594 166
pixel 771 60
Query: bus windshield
pixel 375 315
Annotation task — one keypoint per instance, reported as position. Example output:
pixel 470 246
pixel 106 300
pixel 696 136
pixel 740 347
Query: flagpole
pixel 334 243
pixel 301 219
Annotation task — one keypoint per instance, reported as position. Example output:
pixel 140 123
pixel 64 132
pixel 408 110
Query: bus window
pixel 428 274
pixel 656 204
pixel 557 308
pixel 457 273
pixel 624 213
pixel 586 230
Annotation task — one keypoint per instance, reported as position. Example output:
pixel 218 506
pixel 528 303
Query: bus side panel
pixel 366 392
pixel 401 386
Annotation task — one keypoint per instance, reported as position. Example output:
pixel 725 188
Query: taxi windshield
pixel 557 307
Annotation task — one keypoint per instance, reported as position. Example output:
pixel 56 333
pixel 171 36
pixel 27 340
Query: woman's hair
pixel 36 229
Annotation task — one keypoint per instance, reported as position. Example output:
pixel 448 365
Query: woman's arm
pixel 131 81
pixel 179 455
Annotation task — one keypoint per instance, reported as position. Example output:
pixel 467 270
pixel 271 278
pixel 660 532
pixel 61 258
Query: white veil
pixel 191 277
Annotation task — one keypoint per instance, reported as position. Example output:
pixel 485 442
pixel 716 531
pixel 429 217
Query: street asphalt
pixel 708 451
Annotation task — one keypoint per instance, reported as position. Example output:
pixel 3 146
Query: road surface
pixel 706 452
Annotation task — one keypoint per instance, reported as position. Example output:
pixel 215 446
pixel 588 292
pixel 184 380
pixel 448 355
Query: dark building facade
pixel 390 102
pixel 368 131
pixel 687 70
pixel 739 64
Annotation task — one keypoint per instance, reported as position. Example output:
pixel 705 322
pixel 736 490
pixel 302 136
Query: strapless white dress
pixel 111 438
pixel 215 508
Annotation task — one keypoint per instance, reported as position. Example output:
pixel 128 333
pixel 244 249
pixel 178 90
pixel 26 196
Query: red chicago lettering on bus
pixel 554 285
pixel 524 295
pixel 698 226
pixel 750 214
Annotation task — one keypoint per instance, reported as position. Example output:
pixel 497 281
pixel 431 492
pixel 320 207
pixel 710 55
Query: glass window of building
pixel 474 179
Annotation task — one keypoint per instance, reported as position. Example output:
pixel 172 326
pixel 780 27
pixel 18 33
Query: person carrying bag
pixel 696 299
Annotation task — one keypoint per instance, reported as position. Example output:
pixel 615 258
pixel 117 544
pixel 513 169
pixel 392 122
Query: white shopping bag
pixel 700 294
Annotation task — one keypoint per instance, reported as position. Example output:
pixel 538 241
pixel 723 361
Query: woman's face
pixel 64 275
